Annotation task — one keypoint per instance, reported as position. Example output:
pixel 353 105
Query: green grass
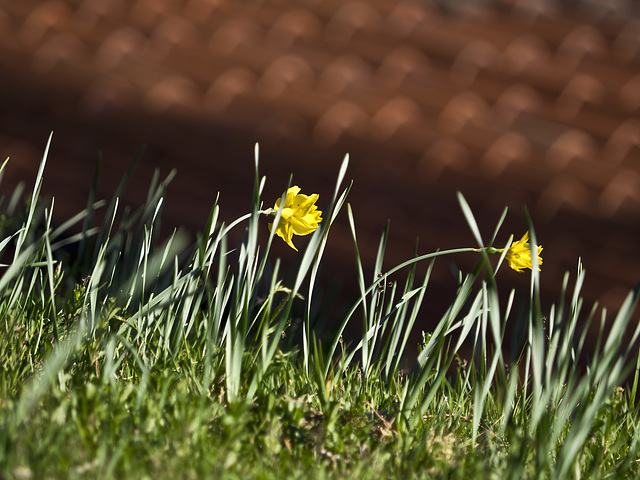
pixel 140 358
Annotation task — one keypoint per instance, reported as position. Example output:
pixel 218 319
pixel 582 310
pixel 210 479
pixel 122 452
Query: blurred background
pixel 520 103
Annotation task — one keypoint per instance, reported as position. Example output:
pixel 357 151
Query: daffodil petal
pixel 519 254
pixel 299 215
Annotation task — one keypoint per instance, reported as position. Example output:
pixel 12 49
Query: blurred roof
pixel 521 103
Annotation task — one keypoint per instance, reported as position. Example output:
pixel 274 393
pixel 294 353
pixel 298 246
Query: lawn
pixel 124 355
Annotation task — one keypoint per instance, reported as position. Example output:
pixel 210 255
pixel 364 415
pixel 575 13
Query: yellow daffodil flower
pixel 300 216
pixel 519 254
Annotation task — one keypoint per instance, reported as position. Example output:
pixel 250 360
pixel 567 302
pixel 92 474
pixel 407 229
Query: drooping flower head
pixel 519 254
pixel 300 216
